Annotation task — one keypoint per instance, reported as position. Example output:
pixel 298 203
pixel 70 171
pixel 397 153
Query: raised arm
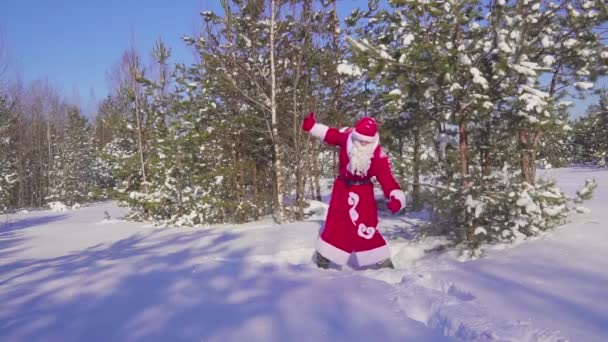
pixel 390 186
pixel 330 135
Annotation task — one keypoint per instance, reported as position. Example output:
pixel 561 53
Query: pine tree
pixel 476 66
pixel 71 175
pixel 8 174
pixel 558 147
pixel 590 133
pixel 236 50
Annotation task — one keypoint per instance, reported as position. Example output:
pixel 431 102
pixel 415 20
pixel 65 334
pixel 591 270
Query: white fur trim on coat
pixel 332 253
pixel 319 130
pixel 373 256
pixel 399 195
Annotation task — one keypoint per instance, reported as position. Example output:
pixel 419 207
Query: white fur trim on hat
pixel 319 130
pixel 399 195
pixel 362 137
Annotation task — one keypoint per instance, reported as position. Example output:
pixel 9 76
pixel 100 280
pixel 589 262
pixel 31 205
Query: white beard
pixel 360 158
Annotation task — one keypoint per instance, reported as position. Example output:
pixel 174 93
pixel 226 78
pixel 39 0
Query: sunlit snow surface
pixel 73 276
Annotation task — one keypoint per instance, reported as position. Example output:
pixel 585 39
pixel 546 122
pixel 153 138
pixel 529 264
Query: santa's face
pixel 360 157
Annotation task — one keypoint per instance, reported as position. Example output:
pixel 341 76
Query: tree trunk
pixel 528 155
pixel 255 190
pixel 464 161
pixel 316 174
pixel 416 185
pixel 280 210
pixel 484 153
pixel 140 143
pixel 300 172
pixel 336 46
pixel 49 142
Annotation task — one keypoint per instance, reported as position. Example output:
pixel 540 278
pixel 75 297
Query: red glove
pixel 308 122
pixel 397 201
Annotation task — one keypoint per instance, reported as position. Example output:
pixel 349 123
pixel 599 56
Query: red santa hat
pixel 366 130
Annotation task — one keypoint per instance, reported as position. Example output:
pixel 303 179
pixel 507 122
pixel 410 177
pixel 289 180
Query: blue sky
pixel 75 42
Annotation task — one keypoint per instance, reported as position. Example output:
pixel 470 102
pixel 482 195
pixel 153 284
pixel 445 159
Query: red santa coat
pixel 352 219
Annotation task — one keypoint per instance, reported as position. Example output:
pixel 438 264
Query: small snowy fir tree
pixel 586 193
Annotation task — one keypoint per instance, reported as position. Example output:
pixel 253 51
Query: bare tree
pixel 124 78
pixel 3 61
pixel 273 115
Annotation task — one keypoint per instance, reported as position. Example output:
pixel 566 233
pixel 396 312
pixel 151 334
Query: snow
pixel 474 204
pixel 349 69
pixel 73 276
pixel 533 102
pixel 527 203
pixel 395 91
pixel 480 230
pixel 57 207
pixel 464 59
pixel 583 85
pixel 554 210
pixel 504 47
pixel 570 42
pixel 384 55
pixel 548 60
pixel 477 78
pixel 533 91
pixel 402 59
pixel 408 39
pixel 547 42
pixel 455 86
pixel 358 45
pixel 524 70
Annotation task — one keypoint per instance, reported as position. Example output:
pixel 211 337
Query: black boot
pixel 321 261
pixel 388 263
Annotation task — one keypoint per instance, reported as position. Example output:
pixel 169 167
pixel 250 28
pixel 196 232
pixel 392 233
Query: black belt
pixel 351 182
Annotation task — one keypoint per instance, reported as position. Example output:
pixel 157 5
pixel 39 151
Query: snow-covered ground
pixel 72 276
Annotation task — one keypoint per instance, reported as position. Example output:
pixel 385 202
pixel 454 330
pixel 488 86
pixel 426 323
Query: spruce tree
pixel 8 174
pixel 477 66
pixel 590 133
pixel 71 174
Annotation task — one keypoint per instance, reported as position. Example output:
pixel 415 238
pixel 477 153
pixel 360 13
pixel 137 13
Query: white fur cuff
pixel 319 130
pixel 399 195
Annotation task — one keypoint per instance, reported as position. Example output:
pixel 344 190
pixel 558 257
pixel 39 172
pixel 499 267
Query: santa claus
pixel 352 219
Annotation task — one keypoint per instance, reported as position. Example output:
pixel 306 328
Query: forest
pixel 472 98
